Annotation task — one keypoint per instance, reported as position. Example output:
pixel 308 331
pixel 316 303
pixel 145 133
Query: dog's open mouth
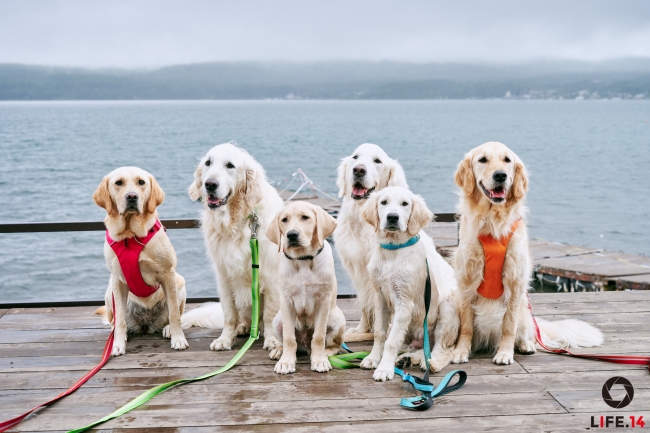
pixel 214 202
pixel 361 193
pixel 497 195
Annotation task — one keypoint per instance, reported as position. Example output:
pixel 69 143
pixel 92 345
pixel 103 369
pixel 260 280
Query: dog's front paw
pixel 167 332
pixel 276 353
pixel 271 343
pixel 221 344
pixel 179 343
pixel 383 373
pixel 435 365
pixel 460 356
pixel 320 364
pixel 119 348
pixel 369 363
pixel 505 357
pixel 285 366
pixel 243 330
pixel 404 361
pixel 526 347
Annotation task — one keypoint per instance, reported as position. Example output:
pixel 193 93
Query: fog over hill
pixel 623 78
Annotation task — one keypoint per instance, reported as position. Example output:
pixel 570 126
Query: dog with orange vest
pixel 493 264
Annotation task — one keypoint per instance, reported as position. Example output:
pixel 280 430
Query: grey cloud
pixel 154 33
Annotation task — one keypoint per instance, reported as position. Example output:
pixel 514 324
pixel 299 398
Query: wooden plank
pixel 443 234
pixel 550 363
pixel 591 401
pixel 541 249
pixel 70 413
pixel 633 282
pixel 3 312
pixel 594 267
pixel 584 297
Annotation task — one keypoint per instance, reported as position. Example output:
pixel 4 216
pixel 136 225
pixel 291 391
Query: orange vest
pixel 495 255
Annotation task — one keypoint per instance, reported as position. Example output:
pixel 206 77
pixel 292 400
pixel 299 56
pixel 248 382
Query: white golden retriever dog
pixel 494 310
pixel 397 217
pixel 130 197
pixel 309 317
pixel 231 184
pixel 368 169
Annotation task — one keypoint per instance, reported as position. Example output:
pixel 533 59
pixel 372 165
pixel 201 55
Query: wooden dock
pixel 43 351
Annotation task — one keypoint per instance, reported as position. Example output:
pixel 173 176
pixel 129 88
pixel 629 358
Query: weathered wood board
pixel 42 351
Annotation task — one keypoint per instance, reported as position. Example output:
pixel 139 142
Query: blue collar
pixel 414 240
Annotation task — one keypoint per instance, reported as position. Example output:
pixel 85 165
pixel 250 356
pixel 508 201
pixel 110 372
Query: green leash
pixel 255 288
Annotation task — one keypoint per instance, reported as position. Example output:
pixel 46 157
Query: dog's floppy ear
pixel 420 216
pixel 519 183
pixel 325 226
pixel 369 211
pixel 156 196
pixel 465 176
pixel 341 179
pixel 102 197
pixel 396 176
pixel 195 188
pixel 273 232
pixel 253 184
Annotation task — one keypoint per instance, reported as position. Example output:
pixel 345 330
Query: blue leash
pixel 429 392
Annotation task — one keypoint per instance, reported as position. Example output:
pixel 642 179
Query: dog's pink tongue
pixel 498 194
pixel 359 191
pixel 213 200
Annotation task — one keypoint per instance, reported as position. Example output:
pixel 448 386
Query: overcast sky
pixel 98 33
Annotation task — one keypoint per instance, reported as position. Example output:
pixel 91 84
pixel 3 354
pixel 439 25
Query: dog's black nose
pixel 211 185
pixel 131 196
pixel 500 176
pixel 392 218
pixel 359 171
pixel 293 235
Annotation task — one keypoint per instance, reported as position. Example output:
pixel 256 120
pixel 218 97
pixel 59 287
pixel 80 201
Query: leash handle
pixel 617 359
pixel 106 355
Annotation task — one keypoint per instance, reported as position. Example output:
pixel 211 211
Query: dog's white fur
pixel 354 238
pixel 504 323
pixel 308 302
pixel 400 276
pixel 157 260
pixel 242 182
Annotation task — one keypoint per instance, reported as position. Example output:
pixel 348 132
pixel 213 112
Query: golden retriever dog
pixel 399 274
pixel 130 197
pixel 494 310
pixel 367 170
pixel 232 185
pixel 309 317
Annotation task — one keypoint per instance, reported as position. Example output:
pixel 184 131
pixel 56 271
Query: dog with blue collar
pixel 403 259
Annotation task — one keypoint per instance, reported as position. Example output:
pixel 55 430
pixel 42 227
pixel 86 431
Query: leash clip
pixel 254 224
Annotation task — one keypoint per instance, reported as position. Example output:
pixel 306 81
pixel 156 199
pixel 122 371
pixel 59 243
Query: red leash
pixel 618 359
pixel 6 425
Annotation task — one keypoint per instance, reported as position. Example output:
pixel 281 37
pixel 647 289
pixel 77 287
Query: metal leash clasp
pixel 254 224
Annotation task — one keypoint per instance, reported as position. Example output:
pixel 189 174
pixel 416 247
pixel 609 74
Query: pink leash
pixel 108 349
pixel 617 359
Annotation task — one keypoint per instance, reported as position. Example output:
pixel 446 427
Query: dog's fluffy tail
pixel 208 315
pixel 351 337
pixel 101 311
pixel 569 333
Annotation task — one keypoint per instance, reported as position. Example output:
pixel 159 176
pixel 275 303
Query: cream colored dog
pixel 232 185
pixel 309 317
pixel 398 216
pixel 493 184
pixel 130 196
pixel 368 169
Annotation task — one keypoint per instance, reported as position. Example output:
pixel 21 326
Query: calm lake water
pixel 589 164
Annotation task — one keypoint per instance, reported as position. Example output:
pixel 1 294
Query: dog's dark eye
pixel 141 182
pixel 507 159
pixel 384 202
pixel 119 183
pixel 377 161
pixel 305 217
pixel 405 203
pixel 229 165
pixel 284 220
pixel 207 163
pixel 355 156
pixel 483 160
